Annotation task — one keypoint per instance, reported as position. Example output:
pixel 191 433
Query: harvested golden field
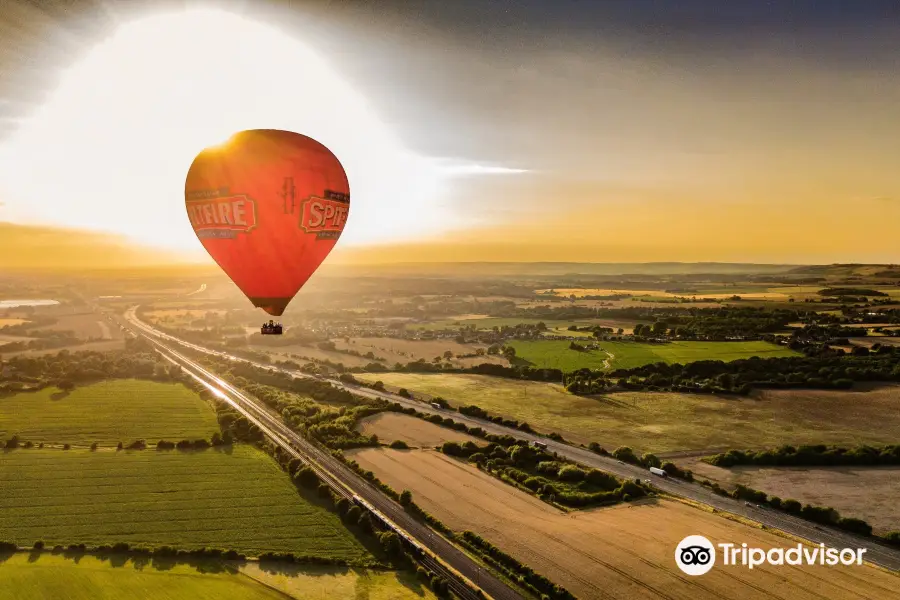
pixel 868 493
pixel 390 426
pixel 668 422
pixel 302 353
pixel 403 351
pixel 622 552
pixel 10 322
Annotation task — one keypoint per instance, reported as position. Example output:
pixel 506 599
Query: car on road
pixel 748 504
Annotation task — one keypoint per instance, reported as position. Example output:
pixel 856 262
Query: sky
pixel 507 131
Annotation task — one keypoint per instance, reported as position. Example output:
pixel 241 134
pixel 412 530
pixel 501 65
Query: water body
pixel 18 303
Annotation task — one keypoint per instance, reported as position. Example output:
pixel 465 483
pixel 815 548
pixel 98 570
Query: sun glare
pixel 111 147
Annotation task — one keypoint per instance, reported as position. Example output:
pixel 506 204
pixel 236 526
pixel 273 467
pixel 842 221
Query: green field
pixel 108 412
pixel 39 577
pixel 555 354
pixel 667 422
pixel 236 498
pixel 92 579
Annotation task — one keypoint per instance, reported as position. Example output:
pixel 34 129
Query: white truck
pixel 541 445
pixel 437 406
pixel 659 472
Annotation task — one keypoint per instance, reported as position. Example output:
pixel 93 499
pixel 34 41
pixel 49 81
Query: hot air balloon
pixel 268 206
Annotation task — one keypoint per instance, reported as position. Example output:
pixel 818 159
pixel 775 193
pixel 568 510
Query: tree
pixel 306 477
pixel 365 522
pixel 448 354
pixel 625 454
pixel 651 460
pixel 403 392
pixel 66 385
pixel 342 506
pixel 405 498
pixel 353 514
pixel 390 541
pixel 509 352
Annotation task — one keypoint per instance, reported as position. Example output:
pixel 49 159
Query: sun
pixel 110 149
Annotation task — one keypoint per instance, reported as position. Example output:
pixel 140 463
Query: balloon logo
pixel 268 206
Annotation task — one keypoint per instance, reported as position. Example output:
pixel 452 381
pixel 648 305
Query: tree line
pixel 818 455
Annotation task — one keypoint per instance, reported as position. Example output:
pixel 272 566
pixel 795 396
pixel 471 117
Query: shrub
pixel 306 477
pixel 571 473
pixel 405 498
pixel 855 525
pixel 353 514
pixel 399 445
pixel 626 454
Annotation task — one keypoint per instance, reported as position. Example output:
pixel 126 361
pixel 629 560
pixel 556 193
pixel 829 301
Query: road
pixel 876 552
pixel 347 483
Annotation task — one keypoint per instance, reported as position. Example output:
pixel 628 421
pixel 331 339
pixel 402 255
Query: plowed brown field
pixel 625 551
pixel 416 432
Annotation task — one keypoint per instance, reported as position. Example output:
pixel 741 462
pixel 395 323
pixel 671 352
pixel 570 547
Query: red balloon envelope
pixel 268 206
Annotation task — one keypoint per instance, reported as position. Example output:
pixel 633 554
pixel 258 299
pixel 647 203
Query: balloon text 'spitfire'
pixel 235 213
pixel 321 215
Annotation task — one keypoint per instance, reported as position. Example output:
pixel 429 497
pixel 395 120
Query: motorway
pixel 347 483
pixel 876 552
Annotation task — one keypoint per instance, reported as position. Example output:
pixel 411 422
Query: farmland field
pixel 712 293
pixel 85 325
pixel 619 552
pixel 56 576
pixel 555 354
pixel 99 346
pixel 236 498
pixel 53 576
pixel 303 353
pixel 395 350
pixel 869 493
pixel 389 426
pixel 666 422
pixel 325 583
pixel 4 322
pixel 489 322
pixel 108 412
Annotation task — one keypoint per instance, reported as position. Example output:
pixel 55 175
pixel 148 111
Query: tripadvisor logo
pixel 696 555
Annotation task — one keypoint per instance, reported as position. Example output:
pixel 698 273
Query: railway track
pixel 465 578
